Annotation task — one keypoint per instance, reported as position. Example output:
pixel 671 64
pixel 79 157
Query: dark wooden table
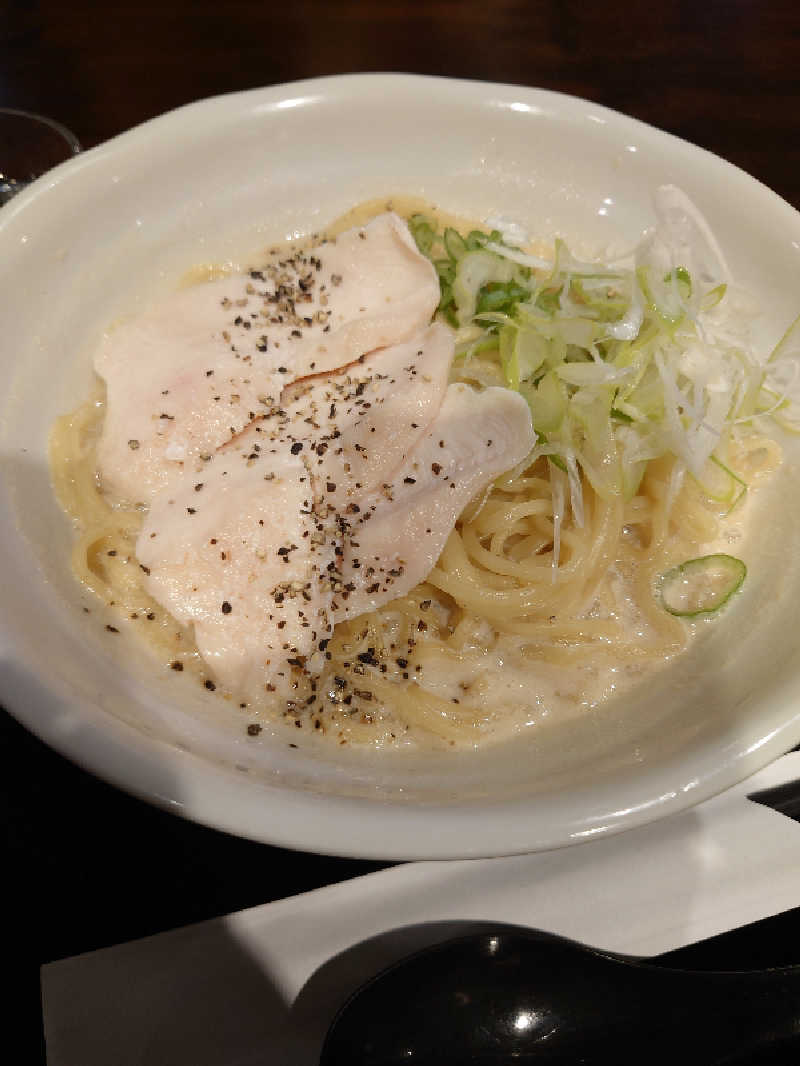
pixel 84 866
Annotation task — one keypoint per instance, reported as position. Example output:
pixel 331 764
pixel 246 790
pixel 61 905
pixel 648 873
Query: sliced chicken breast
pixel 247 568
pixel 355 427
pixel 195 370
pixel 254 556
pixel 260 530
pixel 394 541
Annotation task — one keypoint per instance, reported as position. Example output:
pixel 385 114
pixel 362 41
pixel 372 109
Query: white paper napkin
pixel 261 986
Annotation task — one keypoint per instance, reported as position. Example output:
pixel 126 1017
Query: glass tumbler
pixel 30 145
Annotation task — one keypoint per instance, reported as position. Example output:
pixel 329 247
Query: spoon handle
pixel 728 1017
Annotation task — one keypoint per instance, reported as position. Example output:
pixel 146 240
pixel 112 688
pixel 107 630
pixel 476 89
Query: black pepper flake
pixel 112 629
pixel 297 447
pixel 253 729
pixel 133 445
pixel 112 552
pixel 226 607
pixel 191 510
pixel 409 481
pixel 198 486
pixel 436 468
pixel 177 665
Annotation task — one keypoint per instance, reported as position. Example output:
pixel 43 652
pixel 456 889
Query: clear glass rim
pixel 9 185
pixel 58 127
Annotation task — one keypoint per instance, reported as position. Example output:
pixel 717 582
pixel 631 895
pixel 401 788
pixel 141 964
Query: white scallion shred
pixel 559 500
pixel 516 256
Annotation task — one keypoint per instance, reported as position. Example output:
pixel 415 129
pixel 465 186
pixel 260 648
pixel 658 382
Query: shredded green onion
pixel 721 484
pixel 620 365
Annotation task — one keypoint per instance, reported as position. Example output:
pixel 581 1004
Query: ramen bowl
pixel 103 235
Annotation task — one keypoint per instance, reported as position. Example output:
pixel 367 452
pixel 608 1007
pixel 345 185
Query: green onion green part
pixel 701 586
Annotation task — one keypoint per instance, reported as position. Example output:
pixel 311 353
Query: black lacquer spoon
pixel 522 996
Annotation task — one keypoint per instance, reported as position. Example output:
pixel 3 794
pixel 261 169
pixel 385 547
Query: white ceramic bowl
pixel 103 234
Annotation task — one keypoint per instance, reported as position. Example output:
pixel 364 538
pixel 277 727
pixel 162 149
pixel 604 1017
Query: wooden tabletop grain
pixel 85 865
